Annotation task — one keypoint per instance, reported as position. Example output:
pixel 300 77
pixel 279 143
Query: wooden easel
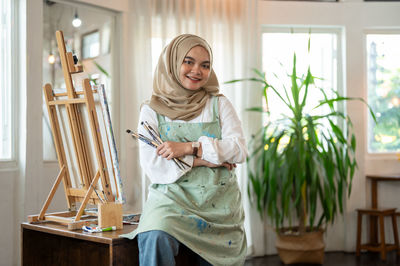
pixel 88 174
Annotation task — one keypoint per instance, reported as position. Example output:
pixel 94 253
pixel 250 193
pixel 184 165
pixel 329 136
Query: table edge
pixel 74 234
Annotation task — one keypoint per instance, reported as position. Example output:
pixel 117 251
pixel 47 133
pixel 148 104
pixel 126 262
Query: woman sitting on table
pixel 198 206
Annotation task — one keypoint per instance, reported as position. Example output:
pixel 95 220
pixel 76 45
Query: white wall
pixel 7 208
pixel 355 17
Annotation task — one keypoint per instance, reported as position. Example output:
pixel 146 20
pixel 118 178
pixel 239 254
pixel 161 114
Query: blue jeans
pixel 157 248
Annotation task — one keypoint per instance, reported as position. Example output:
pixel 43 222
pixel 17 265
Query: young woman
pixel 199 206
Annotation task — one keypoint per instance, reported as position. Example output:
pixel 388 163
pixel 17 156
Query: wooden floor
pixel 335 259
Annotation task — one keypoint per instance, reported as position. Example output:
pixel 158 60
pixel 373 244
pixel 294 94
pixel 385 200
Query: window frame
pixel 367 31
pixel 341 52
pixel 12 162
pixel 85 35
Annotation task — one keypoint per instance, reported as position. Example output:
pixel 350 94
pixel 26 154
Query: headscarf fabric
pixel 169 97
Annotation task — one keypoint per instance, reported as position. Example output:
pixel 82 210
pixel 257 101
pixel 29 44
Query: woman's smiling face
pixel 195 68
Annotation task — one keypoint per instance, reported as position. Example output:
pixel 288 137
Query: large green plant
pixel 301 167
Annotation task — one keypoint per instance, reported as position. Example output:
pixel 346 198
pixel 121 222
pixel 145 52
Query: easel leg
pixel 87 197
pixel 52 192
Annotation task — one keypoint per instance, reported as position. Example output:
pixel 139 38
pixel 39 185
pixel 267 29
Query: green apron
pixel 203 209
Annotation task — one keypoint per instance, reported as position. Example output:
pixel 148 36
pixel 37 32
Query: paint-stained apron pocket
pixel 201 186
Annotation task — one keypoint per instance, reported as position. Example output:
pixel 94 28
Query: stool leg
pixel 359 225
pixel 382 236
pixel 396 233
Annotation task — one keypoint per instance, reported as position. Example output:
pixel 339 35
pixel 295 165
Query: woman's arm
pixel 231 147
pixel 170 149
pixel 201 162
pixel 158 169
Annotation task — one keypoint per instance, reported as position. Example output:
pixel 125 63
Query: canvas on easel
pixel 85 146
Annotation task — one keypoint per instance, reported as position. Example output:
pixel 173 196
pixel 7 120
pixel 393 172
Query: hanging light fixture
pixel 51 58
pixel 76 22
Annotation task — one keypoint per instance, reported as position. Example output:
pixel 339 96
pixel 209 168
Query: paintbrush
pixel 154 135
pixel 157 138
pixel 102 201
pixel 154 145
pixel 152 132
pixel 142 138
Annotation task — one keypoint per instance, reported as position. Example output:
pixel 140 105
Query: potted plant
pixel 301 166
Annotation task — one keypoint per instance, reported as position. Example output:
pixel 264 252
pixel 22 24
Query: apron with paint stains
pixel 203 209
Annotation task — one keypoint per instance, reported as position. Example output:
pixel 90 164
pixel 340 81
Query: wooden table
pixel 374 201
pixel 53 244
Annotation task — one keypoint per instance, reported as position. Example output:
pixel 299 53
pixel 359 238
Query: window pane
pixel 91 45
pixel 5 81
pixel 278 49
pixel 384 92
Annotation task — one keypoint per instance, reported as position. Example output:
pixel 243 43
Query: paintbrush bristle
pixel 128 131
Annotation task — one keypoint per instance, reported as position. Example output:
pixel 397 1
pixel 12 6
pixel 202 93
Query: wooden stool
pixel 381 247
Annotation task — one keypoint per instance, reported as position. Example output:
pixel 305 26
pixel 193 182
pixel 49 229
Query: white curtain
pixel 230 27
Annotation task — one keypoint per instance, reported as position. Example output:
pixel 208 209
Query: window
pixel 91 45
pixel 157 45
pixel 383 73
pixel 6 97
pixel 278 46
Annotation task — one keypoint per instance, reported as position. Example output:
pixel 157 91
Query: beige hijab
pixel 169 97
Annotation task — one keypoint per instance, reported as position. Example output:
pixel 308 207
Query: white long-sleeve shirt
pixel 230 148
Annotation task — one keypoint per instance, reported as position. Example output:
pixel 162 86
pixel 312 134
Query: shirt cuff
pixel 189 159
pixel 210 153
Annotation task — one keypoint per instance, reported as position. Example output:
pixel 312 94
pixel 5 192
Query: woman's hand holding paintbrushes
pixel 171 149
pixel 160 142
pixel 155 142
pixel 150 142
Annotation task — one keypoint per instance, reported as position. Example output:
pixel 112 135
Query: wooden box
pixel 110 214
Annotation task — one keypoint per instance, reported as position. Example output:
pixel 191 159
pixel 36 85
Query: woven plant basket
pixel 302 248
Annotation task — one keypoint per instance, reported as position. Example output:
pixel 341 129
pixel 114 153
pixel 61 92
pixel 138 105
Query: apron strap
pixel 215 109
pixel 161 119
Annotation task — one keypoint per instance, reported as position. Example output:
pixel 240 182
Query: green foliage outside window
pixel 384 93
